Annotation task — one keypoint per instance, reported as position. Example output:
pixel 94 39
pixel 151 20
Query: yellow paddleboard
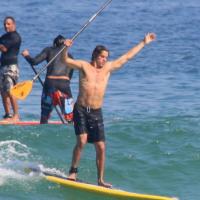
pixel 102 190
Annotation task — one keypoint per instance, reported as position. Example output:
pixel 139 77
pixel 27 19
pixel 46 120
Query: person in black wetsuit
pixel 56 90
pixel 9 72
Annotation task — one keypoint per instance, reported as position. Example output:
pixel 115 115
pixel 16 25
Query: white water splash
pixel 12 150
pixel 14 162
pixel 7 174
pixel 52 171
pixel 12 155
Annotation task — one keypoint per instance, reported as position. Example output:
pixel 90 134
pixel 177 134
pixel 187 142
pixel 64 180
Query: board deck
pixel 28 123
pixel 102 190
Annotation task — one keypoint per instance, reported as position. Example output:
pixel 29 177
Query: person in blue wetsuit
pixel 56 90
pixel 9 71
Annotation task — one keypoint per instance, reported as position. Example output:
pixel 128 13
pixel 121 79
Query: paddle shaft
pixel 60 116
pixel 74 37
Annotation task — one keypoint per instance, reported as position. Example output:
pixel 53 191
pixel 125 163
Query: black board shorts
pixel 89 121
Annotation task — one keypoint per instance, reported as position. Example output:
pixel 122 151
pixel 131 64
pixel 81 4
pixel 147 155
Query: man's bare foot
pixel 73 173
pixel 15 118
pixel 72 176
pixel 103 184
pixel 11 120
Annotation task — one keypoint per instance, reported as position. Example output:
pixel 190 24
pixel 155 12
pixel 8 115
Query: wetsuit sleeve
pixel 0 44
pixel 71 70
pixel 42 56
pixel 1 41
pixel 13 40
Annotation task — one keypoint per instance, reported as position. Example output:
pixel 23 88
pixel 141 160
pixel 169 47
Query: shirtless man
pixel 9 71
pixel 88 120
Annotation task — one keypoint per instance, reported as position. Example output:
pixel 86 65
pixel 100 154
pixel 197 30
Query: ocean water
pixel 151 107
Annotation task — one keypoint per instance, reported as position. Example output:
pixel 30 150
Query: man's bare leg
pixel 14 104
pixel 80 143
pixel 6 103
pixel 100 162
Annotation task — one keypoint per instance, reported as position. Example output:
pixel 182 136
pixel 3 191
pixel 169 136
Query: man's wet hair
pixel 98 49
pixel 9 17
pixel 58 41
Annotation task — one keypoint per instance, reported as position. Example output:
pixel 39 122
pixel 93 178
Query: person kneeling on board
pixel 88 119
pixel 56 90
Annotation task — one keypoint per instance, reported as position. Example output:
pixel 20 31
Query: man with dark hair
pixel 56 90
pixel 88 119
pixel 9 72
pixel 98 49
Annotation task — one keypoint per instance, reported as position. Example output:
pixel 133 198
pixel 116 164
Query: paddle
pixel 22 89
pixel 40 80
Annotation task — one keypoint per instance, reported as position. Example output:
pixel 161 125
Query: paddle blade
pixel 21 90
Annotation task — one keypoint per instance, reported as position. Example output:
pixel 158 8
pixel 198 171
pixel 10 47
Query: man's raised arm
pixel 75 64
pixel 116 64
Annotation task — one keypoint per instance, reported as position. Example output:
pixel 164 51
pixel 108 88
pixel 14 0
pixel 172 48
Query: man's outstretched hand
pixel 149 38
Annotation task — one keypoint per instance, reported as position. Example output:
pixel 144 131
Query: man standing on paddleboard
pixel 88 119
pixel 9 72
pixel 56 90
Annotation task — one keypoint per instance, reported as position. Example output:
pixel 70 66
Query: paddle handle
pixel 74 37
pixel 91 19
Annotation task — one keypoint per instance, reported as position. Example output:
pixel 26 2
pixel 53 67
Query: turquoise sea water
pixel 151 108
